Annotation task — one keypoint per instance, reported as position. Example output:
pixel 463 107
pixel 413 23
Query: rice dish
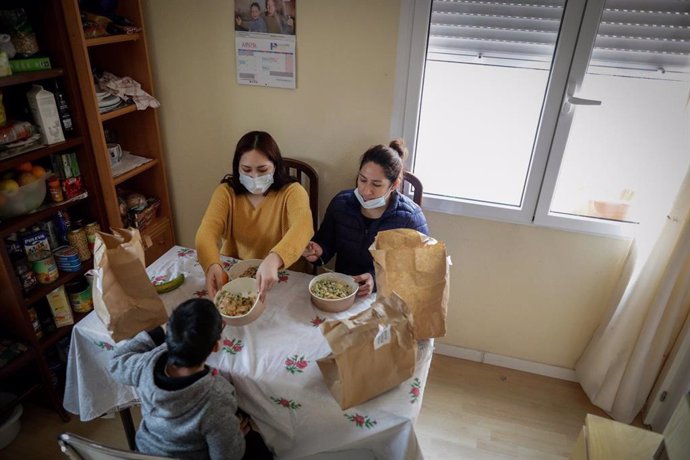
pixel 331 289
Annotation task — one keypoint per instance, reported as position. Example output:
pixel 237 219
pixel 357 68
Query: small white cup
pixel 115 153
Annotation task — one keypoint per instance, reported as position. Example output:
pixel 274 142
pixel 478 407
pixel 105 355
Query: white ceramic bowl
pixel 238 270
pixel 334 305
pixel 244 286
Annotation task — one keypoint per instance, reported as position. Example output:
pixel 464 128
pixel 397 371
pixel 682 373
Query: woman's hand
pixel 366 284
pixel 312 252
pixel 267 274
pixel 215 279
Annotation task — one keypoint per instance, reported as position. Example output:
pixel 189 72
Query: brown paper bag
pixel 416 267
pixel 123 296
pixel 372 352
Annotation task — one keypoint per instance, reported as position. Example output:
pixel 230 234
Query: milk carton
pixel 45 113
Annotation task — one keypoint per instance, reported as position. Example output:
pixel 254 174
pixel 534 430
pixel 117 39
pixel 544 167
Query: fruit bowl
pixel 335 303
pixel 23 200
pixel 244 287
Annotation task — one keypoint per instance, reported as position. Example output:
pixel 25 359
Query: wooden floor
pixel 470 411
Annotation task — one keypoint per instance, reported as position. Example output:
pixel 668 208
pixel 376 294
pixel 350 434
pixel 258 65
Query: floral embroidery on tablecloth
pixel 104 345
pixel 186 252
pixel 214 371
pixel 227 264
pixel 295 364
pixel 361 421
pixel 283 276
pixel 233 346
pixel 317 320
pixel 415 390
pixel 201 294
pixel 287 403
pixel 158 279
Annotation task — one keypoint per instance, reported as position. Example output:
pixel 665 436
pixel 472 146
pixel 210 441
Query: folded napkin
pixel 126 88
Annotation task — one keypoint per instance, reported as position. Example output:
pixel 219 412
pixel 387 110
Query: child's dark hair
pixel 389 157
pixel 193 329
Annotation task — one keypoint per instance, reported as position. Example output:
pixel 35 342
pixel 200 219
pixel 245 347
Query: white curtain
pixel 620 364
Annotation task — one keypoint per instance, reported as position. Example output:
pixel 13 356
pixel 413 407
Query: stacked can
pixel 67 259
pixel 77 239
pixel 44 267
pixel 91 229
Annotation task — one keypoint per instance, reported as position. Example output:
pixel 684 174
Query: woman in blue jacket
pixel 354 217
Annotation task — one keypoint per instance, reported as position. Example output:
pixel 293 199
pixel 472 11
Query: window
pixel 570 114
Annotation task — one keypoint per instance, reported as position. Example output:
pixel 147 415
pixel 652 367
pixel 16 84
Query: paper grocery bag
pixel 416 267
pixel 123 296
pixel 371 352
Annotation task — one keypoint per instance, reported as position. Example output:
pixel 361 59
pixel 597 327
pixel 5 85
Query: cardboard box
pixel 45 113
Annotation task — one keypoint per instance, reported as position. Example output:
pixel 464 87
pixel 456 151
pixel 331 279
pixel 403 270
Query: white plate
pixel 108 101
pixel 101 94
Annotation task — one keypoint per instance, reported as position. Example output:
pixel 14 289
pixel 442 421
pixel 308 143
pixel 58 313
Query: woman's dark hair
pixel 264 143
pixel 193 329
pixel 389 157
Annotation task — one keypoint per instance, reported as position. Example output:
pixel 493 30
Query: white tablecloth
pixel 272 363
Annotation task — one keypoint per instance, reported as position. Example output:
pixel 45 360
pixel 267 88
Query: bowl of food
pixel 244 269
pixel 333 292
pixel 238 302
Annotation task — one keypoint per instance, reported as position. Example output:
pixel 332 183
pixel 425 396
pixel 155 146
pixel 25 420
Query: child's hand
pixel 366 284
pixel 245 425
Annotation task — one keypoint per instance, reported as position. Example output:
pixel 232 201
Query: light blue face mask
pixel 256 185
pixel 372 204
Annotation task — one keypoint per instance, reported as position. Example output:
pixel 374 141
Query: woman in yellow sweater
pixel 259 213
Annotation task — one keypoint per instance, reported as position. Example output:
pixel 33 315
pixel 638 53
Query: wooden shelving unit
pixel 137 130
pixel 48 18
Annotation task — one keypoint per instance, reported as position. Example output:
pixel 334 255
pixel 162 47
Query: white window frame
pixel 578 30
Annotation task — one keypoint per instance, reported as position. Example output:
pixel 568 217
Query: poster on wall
pixel 265 43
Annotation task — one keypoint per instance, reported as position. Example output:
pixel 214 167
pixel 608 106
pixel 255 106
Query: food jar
pixel 79 293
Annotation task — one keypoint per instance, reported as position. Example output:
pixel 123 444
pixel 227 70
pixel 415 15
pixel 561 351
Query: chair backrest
pixel 307 176
pixel 79 448
pixel 410 185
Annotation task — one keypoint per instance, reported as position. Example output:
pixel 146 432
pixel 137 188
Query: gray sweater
pixel 195 422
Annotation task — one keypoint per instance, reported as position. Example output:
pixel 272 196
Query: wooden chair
pixel 79 448
pixel 410 185
pixel 307 176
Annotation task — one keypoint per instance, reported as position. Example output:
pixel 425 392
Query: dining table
pixel 272 363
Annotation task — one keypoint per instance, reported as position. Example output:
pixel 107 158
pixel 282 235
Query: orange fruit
pixel 25 167
pixel 26 178
pixel 226 278
pixel 38 171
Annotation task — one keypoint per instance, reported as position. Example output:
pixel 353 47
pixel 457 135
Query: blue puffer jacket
pixel 344 231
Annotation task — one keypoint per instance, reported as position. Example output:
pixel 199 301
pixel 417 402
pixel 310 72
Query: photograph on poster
pixel 265 16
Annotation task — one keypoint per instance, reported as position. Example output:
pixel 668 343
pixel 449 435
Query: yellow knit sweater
pixel 282 224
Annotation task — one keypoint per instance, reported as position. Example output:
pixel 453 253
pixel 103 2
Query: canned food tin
pixel 35 322
pixel 77 239
pixel 44 267
pixel 79 293
pixel 91 229
pixel 26 275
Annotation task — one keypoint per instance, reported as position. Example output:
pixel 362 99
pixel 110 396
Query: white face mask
pixel 256 185
pixel 372 204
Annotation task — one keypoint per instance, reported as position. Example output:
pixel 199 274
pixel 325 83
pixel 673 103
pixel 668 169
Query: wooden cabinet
pixel 33 370
pixel 137 131
pixel 58 26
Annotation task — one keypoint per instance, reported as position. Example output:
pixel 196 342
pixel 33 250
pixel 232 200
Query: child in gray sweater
pixel 186 411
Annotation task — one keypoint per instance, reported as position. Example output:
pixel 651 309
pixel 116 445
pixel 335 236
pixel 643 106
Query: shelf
pixel 65 277
pixel 28 77
pixel 40 152
pixel 16 364
pixel 53 337
pixel 134 172
pixel 110 39
pixel 118 112
pixel 15 223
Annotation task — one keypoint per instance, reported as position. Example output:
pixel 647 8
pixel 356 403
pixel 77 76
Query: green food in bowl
pixel 331 289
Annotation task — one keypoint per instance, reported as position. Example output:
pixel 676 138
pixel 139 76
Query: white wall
pixel 520 291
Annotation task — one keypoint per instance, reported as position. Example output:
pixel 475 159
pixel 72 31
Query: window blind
pixel 632 33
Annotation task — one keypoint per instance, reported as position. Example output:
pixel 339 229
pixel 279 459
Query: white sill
pixel 516 215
